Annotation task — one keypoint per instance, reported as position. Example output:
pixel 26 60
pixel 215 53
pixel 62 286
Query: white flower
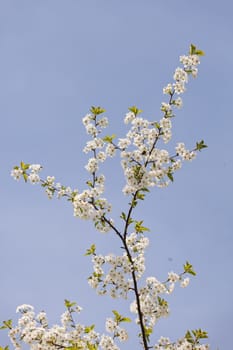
pixel 101 156
pixel 34 178
pixel 166 123
pixel 195 59
pixel 66 319
pixel 24 308
pixel 194 72
pixel 110 325
pixel 50 180
pixel 167 89
pixel 35 168
pixel 87 119
pixel 110 150
pixel 123 143
pixel 179 87
pixel 91 129
pixel 167 134
pixel 186 60
pixel 16 173
pixel 122 334
pixel 166 107
pixel 178 102
pixel 92 165
pixel 180 75
pixel 107 343
pixel 185 282
pixel 180 148
pixel 173 277
pixel 129 117
pixel 103 122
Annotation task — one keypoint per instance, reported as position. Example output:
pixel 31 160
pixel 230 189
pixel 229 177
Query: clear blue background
pixel 57 58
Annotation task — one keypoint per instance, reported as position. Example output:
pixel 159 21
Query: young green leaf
pixel 91 346
pixel 148 332
pixel 200 334
pixel 188 268
pixel 123 216
pixel 162 302
pixel 119 318
pixel 24 166
pixel 89 329
pixel 135 110
pixel 170 174
pixel 91 250
pixel 109 138
pixel 69 304
pixel 200 145
pixel 97 110
pixel 189 337
pixel 139 228
pixel 6 324
pixel 126 319
pixel 25 176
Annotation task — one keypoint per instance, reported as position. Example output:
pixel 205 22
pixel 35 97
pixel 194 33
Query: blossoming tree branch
pixel 146 163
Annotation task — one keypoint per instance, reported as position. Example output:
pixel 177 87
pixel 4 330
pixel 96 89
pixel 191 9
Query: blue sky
pixel 57 59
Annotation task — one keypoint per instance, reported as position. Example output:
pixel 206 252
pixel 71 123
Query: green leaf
pixel 97 110
pixel 157 125
pixel 91 250
pixel 24 166
pixel 109 138
pixel 119 318
pixel 98 275
pixel 126 319
pixel 135 110
pixel 200 53
pixel 200 145
pixel 89 329
pixel 140 196
pixel 162 302
pixel 139 228
pixel 69 304
pixel 189 337
pixel 89 183
pixel 144 189
pixel 25 176
pixel 5 348
pixel 148 332
pixel 91 346
pixel 123 216
pixel 170 174
pixel 200 334
pixel 188 268
pixel 6 324
pixel 194 51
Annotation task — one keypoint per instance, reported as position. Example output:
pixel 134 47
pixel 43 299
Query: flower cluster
pixel 191 341
pixel 144 165
pixel 32 175
pixel 112 325
pixel 113 274
pixel 117 281
pixel 153 306
pixel 34 331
